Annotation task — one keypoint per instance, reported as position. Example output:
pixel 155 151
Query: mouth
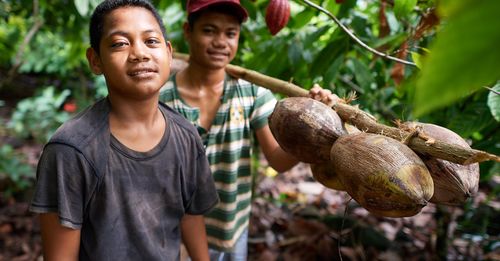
pixel 218 54
pixel 141 72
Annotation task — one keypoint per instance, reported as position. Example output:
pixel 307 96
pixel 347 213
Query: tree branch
pixel 351 34
pixel 18 59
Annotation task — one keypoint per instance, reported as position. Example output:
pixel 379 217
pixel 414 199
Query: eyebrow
pixel 208 24
pixel 123 33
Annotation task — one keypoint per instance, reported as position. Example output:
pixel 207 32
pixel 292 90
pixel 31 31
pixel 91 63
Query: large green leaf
pixel 464 57
pixel 494 102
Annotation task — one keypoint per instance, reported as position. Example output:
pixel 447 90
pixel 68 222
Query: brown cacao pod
pixel 453 183
pixel 277 15
pixel 382 174
pixel 324 174
pixel 305 128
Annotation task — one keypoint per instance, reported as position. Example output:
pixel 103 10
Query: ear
pixel 94 61
pixel 186 30
pixel 170 52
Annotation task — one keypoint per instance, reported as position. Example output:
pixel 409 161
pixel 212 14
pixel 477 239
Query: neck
pixel 200 77
pixel 125 112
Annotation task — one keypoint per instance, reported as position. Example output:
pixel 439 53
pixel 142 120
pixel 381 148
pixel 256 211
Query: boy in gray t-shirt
pixel 126 176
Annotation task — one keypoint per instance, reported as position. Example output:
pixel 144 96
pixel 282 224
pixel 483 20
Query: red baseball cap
pixel 198 5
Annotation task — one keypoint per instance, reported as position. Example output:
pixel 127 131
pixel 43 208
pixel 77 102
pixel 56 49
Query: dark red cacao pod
pixel 277 15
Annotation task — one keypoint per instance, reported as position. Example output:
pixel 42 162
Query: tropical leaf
pixel 494 102
pixel 402 8
pixel 464 57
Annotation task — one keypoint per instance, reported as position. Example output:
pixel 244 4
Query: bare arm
pixel 277 158
pixel 194 237
pixel 59 243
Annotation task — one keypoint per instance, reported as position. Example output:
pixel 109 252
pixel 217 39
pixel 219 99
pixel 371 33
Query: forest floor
pixel 296 218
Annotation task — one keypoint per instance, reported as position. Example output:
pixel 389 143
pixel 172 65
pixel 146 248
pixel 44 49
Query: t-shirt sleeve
pixel 205 196
pixel 262 108
pixel 61 186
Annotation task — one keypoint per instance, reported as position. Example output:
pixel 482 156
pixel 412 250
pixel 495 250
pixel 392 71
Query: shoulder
pixel 178 119
pixel 247 87
pixel 84 126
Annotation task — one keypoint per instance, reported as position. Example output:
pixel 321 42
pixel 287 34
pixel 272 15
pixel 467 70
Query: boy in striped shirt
pixel 229 114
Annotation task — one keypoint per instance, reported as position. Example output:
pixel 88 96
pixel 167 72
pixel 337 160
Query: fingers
pixel 323 95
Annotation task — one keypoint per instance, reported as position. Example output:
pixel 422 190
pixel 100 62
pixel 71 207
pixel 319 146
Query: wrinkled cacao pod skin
pixel 305 128
pixel 324 174
pixel 453 183
pixel 277 15
pixel 382 174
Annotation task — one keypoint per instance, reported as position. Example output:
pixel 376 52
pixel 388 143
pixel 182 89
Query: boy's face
pixel 213 40
pixel 134 56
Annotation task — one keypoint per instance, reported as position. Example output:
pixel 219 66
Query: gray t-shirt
pixel 132 211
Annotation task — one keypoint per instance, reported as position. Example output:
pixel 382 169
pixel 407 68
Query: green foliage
pixel 403 8
pixel 457 59
pixel 38 117
pixel 494 102
pixel 11 31
pixel 15 171
pixel 464 56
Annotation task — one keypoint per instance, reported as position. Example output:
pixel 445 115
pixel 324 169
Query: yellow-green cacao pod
pixel 382 174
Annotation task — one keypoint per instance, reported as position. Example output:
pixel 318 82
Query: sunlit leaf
pixel 417 59
pixel 464 57
pixel 494 101
pixel 403 8
pixel 302 18
pixel 82 6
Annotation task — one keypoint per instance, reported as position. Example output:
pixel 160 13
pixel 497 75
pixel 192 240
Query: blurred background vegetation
pixel 44 77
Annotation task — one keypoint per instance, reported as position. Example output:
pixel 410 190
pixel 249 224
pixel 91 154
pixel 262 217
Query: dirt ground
pixel 296 218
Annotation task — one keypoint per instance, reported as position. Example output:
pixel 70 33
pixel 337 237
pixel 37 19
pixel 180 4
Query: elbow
pixel 280 168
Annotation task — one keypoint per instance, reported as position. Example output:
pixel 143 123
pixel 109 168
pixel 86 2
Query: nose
pixel 220 40
pixel 138 52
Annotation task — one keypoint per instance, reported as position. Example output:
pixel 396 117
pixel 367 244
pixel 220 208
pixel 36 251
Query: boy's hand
pixel 323 95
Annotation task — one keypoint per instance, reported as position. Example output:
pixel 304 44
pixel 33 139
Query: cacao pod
pixel 305 128
pixel 382 174
pixel 277 15
pixel 453 183
pixel 324 174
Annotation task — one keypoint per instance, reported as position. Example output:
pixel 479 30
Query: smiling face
pixel 134 56
pixel 213 39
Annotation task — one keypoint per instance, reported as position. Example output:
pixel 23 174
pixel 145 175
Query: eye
pixel 208 30
pixel 118 44
pixel 152 41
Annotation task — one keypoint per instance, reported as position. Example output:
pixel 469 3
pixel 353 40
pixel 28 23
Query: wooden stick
pixel 364 121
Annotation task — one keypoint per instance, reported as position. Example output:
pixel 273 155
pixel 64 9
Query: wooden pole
pixel 364 121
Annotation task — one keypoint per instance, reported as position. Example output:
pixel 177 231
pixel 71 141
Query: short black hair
pixel 219 8
pixel 103 9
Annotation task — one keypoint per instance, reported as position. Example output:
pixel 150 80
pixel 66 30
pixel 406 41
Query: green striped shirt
pixel 244 108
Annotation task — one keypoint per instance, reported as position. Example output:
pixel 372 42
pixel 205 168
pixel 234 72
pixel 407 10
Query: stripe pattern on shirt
pixel 244 108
